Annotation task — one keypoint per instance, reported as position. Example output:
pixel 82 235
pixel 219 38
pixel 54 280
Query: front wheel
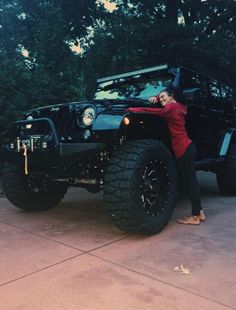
pixel 31 193
pixel 140 186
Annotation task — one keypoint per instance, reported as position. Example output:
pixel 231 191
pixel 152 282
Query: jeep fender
pixel 228 137
pixel 108 122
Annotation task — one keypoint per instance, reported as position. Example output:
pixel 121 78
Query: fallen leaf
pixel 183 270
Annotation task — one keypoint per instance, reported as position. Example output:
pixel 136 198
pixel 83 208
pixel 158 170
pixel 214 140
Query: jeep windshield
pixel 136 88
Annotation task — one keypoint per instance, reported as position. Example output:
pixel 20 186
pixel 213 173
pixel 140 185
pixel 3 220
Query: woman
pixel 183 147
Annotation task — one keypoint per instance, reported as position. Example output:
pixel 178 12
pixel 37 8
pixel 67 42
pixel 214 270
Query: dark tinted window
pixel 193 80
pixel 226 92
pixel 227 99
pixel 140 88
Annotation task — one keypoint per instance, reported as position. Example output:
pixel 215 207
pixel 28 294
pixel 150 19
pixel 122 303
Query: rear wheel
pixel 140 187
pixel 31 193
pixel 226 173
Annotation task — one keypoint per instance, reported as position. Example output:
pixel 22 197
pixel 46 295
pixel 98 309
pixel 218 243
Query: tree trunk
pixel 172 11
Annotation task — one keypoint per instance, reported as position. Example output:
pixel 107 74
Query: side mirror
pixel 191 93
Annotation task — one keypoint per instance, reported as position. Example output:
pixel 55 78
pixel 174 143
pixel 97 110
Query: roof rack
pixel 123 75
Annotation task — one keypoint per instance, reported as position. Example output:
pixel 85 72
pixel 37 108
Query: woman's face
pixel 165 98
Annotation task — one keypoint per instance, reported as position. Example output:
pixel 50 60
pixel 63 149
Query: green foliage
pixel 147 33
pixel 50 73
pixel 198 34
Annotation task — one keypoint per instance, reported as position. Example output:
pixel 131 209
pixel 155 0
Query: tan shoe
pixel 190 220
pixel 202 216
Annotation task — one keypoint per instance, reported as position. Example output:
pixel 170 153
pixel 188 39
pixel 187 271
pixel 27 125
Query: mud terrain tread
pixel 119 185
pixel 16 191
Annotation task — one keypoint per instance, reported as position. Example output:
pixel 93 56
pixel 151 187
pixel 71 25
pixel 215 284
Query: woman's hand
pixel 154 99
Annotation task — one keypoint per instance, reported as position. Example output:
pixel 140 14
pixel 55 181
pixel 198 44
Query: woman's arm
pixel 166 111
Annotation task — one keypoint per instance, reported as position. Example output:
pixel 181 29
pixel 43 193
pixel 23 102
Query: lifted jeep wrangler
pixel 98 145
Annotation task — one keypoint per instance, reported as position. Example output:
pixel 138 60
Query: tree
pixel 198 34
pixel 38 67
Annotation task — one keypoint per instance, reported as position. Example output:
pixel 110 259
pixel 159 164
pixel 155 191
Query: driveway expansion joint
pixel 161 281
pixel 39 270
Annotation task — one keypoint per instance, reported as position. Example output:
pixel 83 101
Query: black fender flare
pixel 105 121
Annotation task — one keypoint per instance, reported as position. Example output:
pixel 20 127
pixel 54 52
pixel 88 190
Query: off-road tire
pixel 126 186
pixel 18 191
pixel 226 173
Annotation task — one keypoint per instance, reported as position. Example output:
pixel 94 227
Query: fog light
pixel 87 134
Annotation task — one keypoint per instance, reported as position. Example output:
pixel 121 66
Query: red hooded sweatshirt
pixel 174 114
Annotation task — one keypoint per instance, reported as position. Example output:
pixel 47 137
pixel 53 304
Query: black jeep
pixel 98 145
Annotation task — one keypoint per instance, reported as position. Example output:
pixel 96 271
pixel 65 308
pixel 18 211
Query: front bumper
pixel 44 148
pixel 62 155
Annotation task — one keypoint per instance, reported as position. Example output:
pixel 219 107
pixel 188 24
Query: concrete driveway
pixel 71 257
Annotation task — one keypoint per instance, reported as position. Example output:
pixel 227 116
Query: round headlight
pixel 88 116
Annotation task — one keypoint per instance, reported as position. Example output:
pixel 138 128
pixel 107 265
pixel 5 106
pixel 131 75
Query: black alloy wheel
pixel 155 187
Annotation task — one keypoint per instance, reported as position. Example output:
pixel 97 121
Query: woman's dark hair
pixel 174 92
pixel 171 91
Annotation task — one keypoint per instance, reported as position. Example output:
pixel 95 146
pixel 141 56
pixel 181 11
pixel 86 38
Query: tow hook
pixel 25 148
